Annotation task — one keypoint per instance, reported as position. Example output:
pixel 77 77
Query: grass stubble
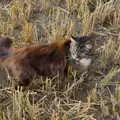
pixel 93 95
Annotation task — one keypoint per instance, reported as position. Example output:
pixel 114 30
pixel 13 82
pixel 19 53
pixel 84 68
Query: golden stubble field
pixel 92 95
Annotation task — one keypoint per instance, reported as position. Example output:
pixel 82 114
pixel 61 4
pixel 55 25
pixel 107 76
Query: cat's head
pixel 81 52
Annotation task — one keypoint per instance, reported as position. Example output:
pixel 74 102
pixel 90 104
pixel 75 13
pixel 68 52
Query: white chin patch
pixel 85 62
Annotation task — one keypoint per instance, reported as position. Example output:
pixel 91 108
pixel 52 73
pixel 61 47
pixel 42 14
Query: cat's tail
pixel 5 46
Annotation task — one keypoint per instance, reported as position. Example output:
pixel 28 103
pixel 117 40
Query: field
pixel 92 95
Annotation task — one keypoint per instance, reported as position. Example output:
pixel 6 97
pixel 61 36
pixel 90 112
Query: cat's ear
pixel 81 38
pixel 73 38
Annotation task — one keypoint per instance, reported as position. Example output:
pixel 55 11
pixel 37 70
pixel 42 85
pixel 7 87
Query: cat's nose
pixel 88 53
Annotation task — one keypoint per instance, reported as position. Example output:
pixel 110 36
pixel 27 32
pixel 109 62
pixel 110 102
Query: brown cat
pixel 47 60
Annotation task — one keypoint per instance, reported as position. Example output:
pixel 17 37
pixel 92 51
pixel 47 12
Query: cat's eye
pixel 88 46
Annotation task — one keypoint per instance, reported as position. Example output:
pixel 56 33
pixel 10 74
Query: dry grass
pixel 94 95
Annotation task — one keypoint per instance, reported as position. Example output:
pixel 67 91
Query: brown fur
pixel 46 60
